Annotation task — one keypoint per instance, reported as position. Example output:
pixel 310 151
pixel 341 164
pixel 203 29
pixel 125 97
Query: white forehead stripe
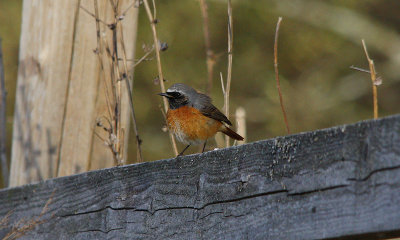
pixel 170 90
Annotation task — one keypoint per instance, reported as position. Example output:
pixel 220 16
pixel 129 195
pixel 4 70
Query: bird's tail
pixel 231 133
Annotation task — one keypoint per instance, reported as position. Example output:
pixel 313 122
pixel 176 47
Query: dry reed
pixel 375 83
pixel 229 71
pixel 153 23
pixel 112 81
pixel 278 85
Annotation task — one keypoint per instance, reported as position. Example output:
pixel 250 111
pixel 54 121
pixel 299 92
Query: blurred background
pixel 318 42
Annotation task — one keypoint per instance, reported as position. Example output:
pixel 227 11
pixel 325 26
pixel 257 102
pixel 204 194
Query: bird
pixel 193 118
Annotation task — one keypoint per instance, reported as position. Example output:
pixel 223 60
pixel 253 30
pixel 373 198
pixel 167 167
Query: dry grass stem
pixel 378 80
pixel 222 85
pixel 230 57
pixel 241 124
pixel 154 10
pixel 374 79
pixel 93 15
pixel 144 57
pixel 21 227
pixel 127 9
pixel 5 219
pixel 113 78
pixel 117 83
pixel 3 127
pixel 211 59
pixel 129 91
pixel 160 73
pixel 111 86
pixel 277 74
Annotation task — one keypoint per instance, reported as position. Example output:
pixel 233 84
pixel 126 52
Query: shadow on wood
pixel 338 182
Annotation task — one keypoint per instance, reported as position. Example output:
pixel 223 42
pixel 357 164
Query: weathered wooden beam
pixel 338 182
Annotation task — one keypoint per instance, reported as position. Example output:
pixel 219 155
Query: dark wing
pixel 203 103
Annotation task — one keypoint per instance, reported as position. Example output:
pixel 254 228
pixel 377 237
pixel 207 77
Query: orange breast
pixel 190 126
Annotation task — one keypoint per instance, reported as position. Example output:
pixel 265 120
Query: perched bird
pixel 193 118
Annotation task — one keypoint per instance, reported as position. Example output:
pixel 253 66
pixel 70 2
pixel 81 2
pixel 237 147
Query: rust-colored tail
pixel 231 133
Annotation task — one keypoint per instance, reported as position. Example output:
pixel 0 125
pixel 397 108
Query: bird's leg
pixel 204 146
pixel 180 154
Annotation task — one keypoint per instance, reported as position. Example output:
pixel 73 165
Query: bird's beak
pixel 164 95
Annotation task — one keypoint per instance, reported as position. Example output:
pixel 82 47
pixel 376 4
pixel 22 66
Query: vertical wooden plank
pixel 3 129
pixel 59 93
pixel 80 112
pixel 43 75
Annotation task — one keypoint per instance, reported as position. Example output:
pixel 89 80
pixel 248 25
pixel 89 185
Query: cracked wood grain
pixel 341 182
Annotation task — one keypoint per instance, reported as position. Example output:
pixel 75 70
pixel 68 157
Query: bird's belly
pixel 190 126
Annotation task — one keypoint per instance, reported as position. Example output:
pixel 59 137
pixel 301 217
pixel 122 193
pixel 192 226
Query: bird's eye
pixel 175 94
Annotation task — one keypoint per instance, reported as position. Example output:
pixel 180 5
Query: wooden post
pixel 3 128
pixel 58 91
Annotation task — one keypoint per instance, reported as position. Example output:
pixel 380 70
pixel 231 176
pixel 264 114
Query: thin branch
pixel 211 59
pixel 230 57
pixel 144 57
pixel 118 103
pixel 373 79
pixel 126 10
pixel 360 69
pixel 115 132
pixel 3 127
pixel 160 73
pixel 100 137
pixel 99 53
pixel 93 15
pixel 154 10
pixel 378 80
pixel 277 74
pixel 129 90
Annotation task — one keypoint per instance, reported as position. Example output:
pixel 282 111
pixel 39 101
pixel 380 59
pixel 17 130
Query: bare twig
pixel 3 133
pixel 373 79
pixel 144 57
pixel 127 9
pixel 230 56
pixel 93 15
pixel 129 90
pixel 277 74
pixel 117 116
pixel 211 59
pixel 154 10
pixel 114 102
pixel 222 85
pixel 360 69
pixel 160 73
pixel 378 80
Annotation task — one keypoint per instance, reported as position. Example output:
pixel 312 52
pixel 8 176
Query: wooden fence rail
pixel 341 182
